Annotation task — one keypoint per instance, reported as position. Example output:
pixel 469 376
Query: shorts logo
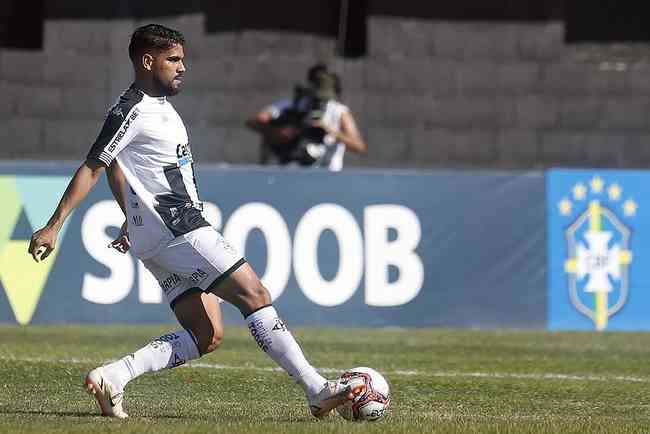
pixel 598 248
pixel 170 282
pixel 198 276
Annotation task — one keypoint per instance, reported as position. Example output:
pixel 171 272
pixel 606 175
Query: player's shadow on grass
pixel 50 413
pixel 84 414
pixel 87 414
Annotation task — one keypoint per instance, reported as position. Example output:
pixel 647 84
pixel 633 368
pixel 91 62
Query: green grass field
pixel 443 381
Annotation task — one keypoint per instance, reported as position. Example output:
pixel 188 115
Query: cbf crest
pixel 598 218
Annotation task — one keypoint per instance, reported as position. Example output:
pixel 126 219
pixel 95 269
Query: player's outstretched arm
pixel 43 240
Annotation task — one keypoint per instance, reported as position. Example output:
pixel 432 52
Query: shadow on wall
pixel 232 14
pixel 21 21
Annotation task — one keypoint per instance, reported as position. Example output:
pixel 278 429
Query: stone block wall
pixel 428 94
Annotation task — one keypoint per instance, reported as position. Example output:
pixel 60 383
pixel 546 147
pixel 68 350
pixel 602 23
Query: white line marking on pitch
pixel 487 375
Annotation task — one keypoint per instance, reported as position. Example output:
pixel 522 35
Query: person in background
pixel 313 128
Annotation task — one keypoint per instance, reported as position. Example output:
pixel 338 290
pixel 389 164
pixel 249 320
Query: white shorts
pixel 193 262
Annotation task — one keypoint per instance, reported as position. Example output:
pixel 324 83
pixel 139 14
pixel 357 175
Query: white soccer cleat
pixel 333 394
pixel 108 398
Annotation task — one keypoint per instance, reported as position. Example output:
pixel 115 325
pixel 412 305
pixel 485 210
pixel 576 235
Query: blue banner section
pixel 357 248
pixel 599 239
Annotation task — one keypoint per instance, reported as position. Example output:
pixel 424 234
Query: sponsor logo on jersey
pixel 124 128
pixel 599 252
pixel 184 154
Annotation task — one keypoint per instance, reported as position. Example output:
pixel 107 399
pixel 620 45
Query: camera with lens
pixel 308 107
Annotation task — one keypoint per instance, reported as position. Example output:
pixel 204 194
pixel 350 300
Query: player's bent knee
pixel 258 296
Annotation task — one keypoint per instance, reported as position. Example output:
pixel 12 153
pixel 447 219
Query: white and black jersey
pixel 149 141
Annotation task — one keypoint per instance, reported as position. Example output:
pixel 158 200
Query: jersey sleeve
pixel 120 128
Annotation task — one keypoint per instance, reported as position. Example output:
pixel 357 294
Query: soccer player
pixel 145 146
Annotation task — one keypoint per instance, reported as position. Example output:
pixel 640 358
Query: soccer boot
pixel 333 394
pixel 107 396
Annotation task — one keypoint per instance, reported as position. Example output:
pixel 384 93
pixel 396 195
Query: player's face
pixel 168 70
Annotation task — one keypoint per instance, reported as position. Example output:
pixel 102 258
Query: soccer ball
pixel 373 403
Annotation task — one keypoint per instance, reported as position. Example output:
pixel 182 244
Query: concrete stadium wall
pixel 429 93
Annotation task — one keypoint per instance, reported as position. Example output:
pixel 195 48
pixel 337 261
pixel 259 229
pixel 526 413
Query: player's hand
pixel 42 243
pixel 121 243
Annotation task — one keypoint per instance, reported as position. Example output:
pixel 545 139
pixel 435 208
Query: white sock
pixel 167 351
pixel 276 340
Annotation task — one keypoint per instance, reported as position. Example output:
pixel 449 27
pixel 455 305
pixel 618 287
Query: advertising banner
pixel 357 248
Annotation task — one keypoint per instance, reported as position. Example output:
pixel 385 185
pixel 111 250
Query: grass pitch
pixel 443 381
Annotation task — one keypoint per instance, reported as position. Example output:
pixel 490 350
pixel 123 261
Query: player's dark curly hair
pixel 153 37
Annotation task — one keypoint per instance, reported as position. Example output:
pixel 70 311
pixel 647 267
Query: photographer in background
pixel 312 128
